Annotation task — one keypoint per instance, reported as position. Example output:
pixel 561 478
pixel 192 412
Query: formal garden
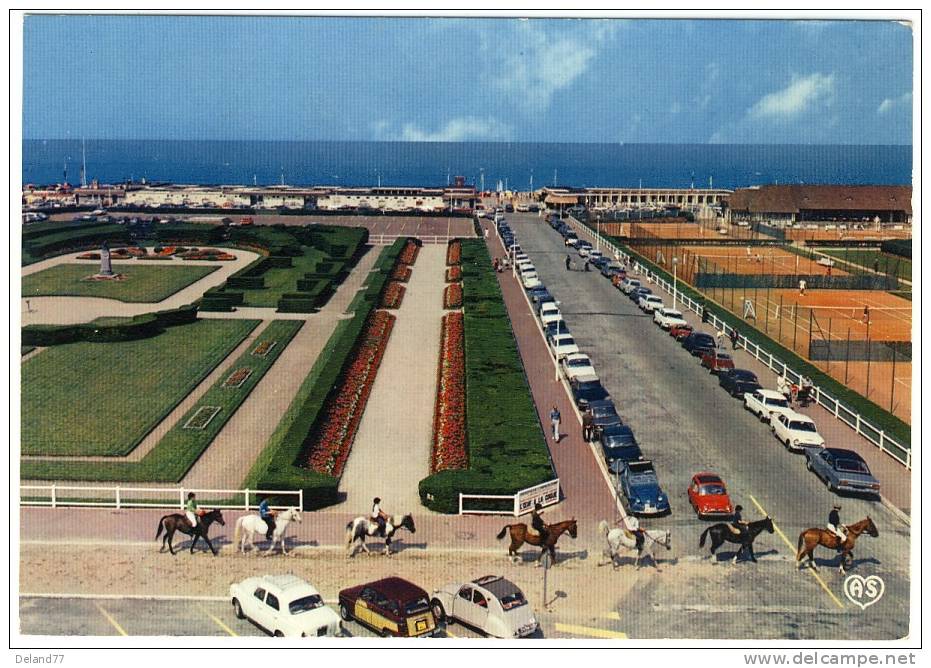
pixel 138 283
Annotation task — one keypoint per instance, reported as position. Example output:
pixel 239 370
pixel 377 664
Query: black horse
pixel 721 533
pixel 179 522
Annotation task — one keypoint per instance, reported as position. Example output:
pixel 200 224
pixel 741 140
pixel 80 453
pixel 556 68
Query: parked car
pixel 841 470
pixel 604 414
pixel 679 332
pixel 611 269
pixel 628 285
pixel 650 303
pixel 698 343
pixel 555 327
pixel 668 318
pixel 539 295
pixel 577 364
pixel 766 403
pixel 586 389
pixel 594 256
pixel 530 280
pixel 600 263
pixel 571 239
pixel 284 605
pixel 796 431
pixel 493 605
pixel 390 607
pixel 562 345
pixel 738 382
pixel 619 445
pixel 637 293
pixel 708 496
pixel 717 360
pixel 583 249
pixel 549 312
pixel 639 484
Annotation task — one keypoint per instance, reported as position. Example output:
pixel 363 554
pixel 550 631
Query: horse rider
pixel 738 524
pixel 191 511
pixel 379 516
pixel 268 516
pixel 536 521
pixel 632 524
pixel 834 525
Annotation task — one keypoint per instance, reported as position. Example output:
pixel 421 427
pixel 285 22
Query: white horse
pixel 362 527
pixel 619 538
pixel 248 525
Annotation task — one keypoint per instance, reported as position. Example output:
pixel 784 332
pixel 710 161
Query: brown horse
pixel 179 522
pixel 809 539
pixel 520 535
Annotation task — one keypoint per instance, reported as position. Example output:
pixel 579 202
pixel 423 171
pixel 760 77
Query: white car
pixel 628 285
pixel 668 317
pixel 284 605
pixel 796 431
pixel 530 280
pixel 650 303
pixel 594 255
pixel 491 604
pixel 520 258
pixel 549 312
pixel 584 251
pixel 562 345
pixel 766 403
pixel 577 364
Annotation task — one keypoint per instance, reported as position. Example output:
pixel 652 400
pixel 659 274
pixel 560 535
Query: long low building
pixel 704 201
pixel 791 204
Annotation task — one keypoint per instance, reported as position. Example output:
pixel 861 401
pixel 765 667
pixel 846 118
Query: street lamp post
pixel 675 264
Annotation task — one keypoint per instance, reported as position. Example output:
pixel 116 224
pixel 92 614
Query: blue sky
pixel 571 80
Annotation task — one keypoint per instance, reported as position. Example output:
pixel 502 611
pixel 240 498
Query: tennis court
pixel 753 260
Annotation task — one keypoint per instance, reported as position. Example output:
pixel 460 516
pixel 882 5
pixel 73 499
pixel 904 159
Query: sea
pixel 499 165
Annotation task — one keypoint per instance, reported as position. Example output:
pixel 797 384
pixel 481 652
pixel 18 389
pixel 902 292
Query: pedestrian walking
pixel 568 263
pixel 734 338
pixel 719 337
pixel 28 307
pixel 554 420
pixel 705 314
pixel 801 287
pixel 588 424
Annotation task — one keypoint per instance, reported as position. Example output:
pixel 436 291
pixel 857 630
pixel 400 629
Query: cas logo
pixel 864 592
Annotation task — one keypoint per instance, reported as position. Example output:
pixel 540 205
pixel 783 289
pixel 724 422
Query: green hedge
pixel 180 448
pixel 900 247
pixel 873 413
pixel 507 447
pixel 276 467
pixel 109 329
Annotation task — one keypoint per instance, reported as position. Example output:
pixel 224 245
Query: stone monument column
pixel 106 268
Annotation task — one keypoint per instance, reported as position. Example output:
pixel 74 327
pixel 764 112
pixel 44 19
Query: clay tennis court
pixel 754 260
pixel 802 234
pixel 675 230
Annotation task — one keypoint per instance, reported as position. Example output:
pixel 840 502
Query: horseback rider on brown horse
pixel 809 539
pixel 545 538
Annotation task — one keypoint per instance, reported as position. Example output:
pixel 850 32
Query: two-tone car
pixel 842 470
pixel 284 606
pixel 668 318
pixel 796 431
pixel 640 486
pixel 491 604
pixel 708 496
pixel 766 404
pixel 390 607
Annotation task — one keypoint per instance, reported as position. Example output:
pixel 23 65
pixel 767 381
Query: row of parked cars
pixel 285 605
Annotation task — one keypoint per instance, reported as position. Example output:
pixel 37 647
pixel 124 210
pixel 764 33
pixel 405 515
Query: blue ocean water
pixel 432 164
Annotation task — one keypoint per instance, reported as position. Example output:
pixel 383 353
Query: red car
pixel 717 360
pixel 708 496
pixel 679 332
pixel 390 607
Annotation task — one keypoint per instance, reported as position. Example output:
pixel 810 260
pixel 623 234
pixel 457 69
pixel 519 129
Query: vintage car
pixel 493 605
pixel 639 484
pixel 842 470
pixel 717 360
pixel 679 332
pixel 766 404
pixel 390 607
pixel 738 382
pixel 708 496
pixel 796 431
pixel 284 605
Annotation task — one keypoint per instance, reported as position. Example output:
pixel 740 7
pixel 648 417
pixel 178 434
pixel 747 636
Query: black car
pixel 604 415
pixel 587 389
pixel 509 208
pixel 698 343
pixel 619 445
pixel 556 327
pixel 539 295
pixel 637 293
pixel 738 381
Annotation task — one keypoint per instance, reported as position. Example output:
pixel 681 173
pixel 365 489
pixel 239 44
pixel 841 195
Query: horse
pixel 618 538
pixel 721 533
pixel 249 525
pixel 360 528
pixel 179 522
pixel 520 535
pixel 809 539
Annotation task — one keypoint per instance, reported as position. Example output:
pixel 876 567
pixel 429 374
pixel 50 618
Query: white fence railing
pixel 59 496
pixel 849 417
pixel 388 239
pixel 546 494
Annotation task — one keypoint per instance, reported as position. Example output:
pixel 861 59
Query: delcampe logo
pixel 864 592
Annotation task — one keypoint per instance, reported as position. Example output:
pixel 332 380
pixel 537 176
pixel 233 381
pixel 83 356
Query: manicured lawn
pixel 180 448
pixel 888 264
pixel 103 398
pixel 142 283
pixel 284 280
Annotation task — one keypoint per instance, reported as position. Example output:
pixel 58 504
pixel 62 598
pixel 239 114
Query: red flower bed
pixel 343 412
pixel 401 273
pixel 454 274
pixel 394 293
pixel 454 252
pixel 452 296
pixel 409 254
pixel 449 433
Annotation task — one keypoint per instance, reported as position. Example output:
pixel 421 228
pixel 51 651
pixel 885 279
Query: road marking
pixel 120 597
pixel 218 622
pixel 590 631
pixel 111 620
pixel 612 615
pixel 793 550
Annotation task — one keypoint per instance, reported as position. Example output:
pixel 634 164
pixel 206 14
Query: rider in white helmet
pixel 633 525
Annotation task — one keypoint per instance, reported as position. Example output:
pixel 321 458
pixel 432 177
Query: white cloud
pixel 798 96
pixel 888 104
pixel 465 128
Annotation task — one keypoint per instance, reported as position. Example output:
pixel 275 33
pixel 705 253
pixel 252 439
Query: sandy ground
pixel 391 452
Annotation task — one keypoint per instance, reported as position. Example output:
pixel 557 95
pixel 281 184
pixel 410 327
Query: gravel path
pixel 391 453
